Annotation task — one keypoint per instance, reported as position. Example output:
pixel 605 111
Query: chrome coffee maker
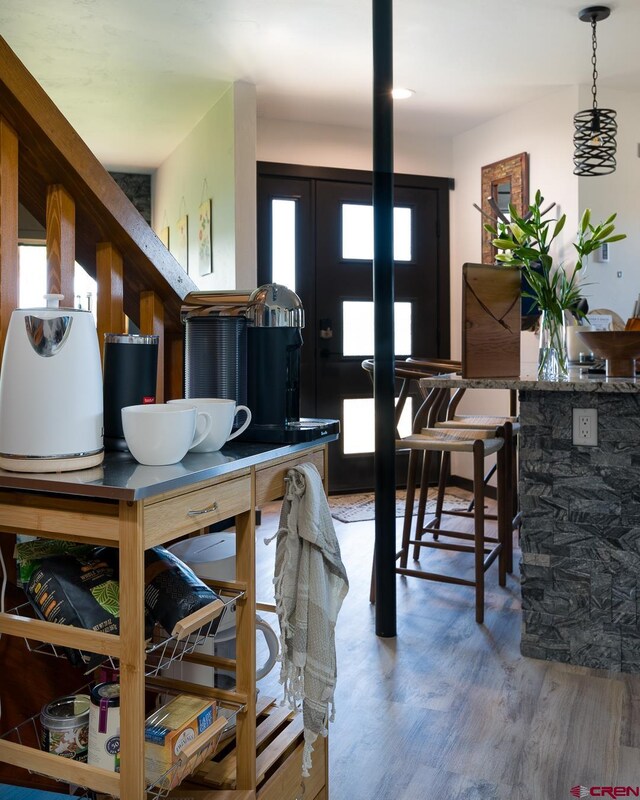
pixel 275 318
pixel 247 347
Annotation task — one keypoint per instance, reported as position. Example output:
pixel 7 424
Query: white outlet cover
pixel 585 427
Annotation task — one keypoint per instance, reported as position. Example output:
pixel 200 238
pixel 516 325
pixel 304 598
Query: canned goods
pixel 65 727
pixel 104 726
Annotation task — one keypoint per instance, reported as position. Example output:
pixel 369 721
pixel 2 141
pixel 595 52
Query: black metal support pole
pixel 383 293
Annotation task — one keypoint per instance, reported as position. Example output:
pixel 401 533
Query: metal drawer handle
pixel 207 510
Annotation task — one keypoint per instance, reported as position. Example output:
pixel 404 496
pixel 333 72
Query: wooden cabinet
pixel 134 521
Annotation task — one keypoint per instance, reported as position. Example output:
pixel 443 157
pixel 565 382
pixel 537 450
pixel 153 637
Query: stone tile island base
pixel 580 535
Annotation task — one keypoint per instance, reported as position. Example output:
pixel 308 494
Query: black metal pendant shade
pixel 594 141
pixel 594 138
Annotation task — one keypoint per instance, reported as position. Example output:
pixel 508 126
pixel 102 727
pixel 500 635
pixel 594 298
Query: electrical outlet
pixel 585 426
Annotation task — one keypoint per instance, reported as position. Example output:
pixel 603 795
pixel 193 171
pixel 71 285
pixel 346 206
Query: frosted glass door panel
pixel 358 431
pixel 283 242
pixel 357 326
pixel 357 232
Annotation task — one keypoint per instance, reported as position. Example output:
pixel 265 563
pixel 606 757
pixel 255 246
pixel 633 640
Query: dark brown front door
pixel 331 219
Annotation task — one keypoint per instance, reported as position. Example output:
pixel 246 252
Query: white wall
pixel 290 142
pixel 604 194
pixel 544 129
pixel 217 160
pixel 246 202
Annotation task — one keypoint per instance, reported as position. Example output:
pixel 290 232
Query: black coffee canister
pixel 129 379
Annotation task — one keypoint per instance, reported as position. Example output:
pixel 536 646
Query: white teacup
pixel 222 413
pixel 159 433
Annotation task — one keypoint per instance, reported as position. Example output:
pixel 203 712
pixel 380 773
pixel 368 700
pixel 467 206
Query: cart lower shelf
pixel 279 744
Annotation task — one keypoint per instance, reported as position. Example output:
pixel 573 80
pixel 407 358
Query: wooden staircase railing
pixel 45 166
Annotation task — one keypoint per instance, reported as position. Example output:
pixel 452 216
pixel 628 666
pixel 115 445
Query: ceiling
pixel 135 76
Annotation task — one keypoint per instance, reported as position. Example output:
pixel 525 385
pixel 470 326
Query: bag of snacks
pixel 173 590
pixel 79 590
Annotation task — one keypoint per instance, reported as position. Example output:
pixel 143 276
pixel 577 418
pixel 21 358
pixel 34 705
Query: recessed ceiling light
pixel 401 94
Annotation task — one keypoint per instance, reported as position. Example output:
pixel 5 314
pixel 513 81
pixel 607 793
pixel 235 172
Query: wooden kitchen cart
pixel 131 507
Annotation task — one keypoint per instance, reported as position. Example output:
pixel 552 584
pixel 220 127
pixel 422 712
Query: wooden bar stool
pixel 427 439
pixel 480 421
pixel 453 421
pixel 511 428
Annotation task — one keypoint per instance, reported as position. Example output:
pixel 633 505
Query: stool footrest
pixel 466 514
pixel 433 576
pixel 458 548
pixel 454 535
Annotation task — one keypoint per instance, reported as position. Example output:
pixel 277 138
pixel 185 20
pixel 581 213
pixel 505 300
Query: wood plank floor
pixel 449 709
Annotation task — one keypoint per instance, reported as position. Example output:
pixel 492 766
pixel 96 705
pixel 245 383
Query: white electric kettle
pixel 51 391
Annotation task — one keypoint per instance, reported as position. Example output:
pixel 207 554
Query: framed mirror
pixel 505 181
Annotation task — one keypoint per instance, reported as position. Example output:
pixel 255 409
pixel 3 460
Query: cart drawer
pixel 175 516
pixel 270 480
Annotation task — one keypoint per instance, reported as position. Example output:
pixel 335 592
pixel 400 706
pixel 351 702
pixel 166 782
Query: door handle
pixel 326 330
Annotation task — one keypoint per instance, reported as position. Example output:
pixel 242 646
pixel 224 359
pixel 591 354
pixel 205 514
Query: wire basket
pixel 161 650
pixel 198 751
pixel 29 734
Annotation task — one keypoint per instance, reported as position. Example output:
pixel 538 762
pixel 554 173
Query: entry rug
pixel 360 507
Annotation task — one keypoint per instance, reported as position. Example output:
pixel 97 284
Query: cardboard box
pixel 171 728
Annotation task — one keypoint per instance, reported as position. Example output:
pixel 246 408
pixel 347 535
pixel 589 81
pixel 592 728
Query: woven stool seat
pixel 479 421
pixel 458 441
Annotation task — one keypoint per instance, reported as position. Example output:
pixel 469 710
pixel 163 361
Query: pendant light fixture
pixel 594 138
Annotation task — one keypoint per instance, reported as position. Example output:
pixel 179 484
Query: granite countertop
pixel 578 381
pixel 121 477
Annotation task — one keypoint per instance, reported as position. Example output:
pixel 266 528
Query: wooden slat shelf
pixel 279 742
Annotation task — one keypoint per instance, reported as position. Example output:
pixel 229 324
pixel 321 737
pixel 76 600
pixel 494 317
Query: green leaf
pixel 584 222
pixel 605 232
pixel 521 229
pixel 559 225
pixel 529 253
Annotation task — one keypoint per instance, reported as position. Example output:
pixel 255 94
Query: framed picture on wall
pixel 180 248
pixel 163 235
pixel 503 182
pixel 205 252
